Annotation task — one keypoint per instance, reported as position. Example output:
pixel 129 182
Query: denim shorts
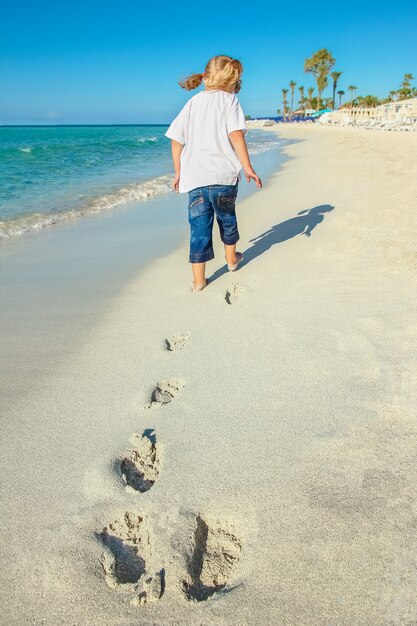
pixel 203 204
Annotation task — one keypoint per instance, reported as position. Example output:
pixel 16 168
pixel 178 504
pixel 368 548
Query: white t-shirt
pixel 203 127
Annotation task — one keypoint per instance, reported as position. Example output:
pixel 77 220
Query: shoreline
pixel 144 172
pixel 289 437
pixel 58 284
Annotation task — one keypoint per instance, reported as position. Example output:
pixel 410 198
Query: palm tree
pixel 340 93
pixel 302 98
pixel 335 77
pixel 284 102
pixel 406 90
pixel 368 101
pixel 292 87
pixel 320 64
pixel 302 101
pixel 352 89
pixel 310 91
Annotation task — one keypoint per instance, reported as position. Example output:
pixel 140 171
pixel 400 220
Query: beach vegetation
pixel 302 101
pixel 319 65
pixel 284 102
pixel 405 91
pixel 352 90
pixel 310 92
pixel 335 78
pixel 367 101
pixel 316 105
pixel 292 87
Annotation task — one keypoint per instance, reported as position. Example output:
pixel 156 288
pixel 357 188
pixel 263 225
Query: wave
pixel 267 144
pixel 147 139
pixel 36 221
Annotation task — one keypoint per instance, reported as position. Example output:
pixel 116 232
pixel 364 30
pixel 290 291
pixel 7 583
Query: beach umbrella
pixel 318 113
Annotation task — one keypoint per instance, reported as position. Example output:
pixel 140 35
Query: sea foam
pixel 36 221
pixel 53 175
pixel 146 139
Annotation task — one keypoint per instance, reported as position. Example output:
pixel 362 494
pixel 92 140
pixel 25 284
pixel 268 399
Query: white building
pixel 400 109
pixel 390 115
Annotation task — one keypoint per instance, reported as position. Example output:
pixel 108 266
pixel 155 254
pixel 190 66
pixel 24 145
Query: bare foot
pixel 199 287
pixel 238 259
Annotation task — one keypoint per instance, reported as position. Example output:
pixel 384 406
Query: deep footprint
pixel 140 468
pixel 164 392
pixel 128 543
pixel 233 293
pixel 216 551
pixel 177 342
pixel 124 563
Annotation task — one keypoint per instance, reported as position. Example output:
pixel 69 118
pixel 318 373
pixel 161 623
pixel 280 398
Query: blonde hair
pixel 221 72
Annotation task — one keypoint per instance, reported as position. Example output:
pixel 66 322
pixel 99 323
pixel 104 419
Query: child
pixel 209 150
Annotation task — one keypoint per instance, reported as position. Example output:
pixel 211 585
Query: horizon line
pixel 83 124
pixel 251 117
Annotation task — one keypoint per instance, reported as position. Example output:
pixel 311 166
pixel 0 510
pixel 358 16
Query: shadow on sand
pixel 303 224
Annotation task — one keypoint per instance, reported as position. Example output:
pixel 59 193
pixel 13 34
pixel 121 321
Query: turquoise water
pixel 53 174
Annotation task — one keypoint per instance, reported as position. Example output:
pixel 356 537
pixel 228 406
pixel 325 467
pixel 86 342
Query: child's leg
pixel 199 273
pixel 224 206
pixel 200 216
pixel 230 252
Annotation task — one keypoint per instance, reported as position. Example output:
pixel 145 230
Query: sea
pixel 52 174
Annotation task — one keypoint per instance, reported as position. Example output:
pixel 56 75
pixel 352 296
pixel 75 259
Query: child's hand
pixel 252 175
pixel 176 183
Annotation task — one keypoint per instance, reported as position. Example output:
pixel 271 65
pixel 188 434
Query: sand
pixel 243 455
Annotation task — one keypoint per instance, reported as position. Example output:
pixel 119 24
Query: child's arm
pixel 176 149
pixel 237 139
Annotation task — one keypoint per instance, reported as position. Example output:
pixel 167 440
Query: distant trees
pixel 335 77
pixel 405 90
pixel 292 87
pixel 315 104
pixel 302 101
pixel 320 64
pixel 340 93
pixel 310 92
pixel 284 102
pixel 352 89
pixel 368 101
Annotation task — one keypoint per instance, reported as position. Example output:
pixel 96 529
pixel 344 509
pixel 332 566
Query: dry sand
pixel 278 464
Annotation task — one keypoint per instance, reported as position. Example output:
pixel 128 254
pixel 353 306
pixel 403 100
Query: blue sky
pixel 119 62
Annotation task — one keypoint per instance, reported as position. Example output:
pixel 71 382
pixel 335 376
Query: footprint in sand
pixel 233 293
pixel 140 468
pixel 124 562
pixel 216 551
pixel 177 342
pixel 164 392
